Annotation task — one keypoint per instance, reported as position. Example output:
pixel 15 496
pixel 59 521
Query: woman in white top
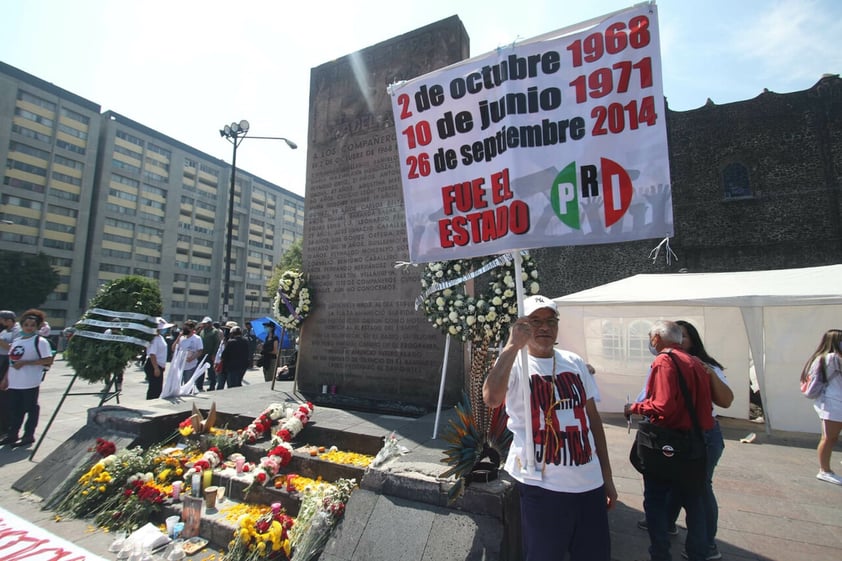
pixel 826 361
pixel 28 356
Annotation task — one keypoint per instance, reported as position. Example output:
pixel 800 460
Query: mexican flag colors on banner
pixel 558 140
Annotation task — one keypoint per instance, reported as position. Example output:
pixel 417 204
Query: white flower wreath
pixel 292 302
pixel 469 318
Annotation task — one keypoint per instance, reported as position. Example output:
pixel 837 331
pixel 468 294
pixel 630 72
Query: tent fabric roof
pixel 785 287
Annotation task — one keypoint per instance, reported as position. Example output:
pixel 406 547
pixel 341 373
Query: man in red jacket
pixel 665 405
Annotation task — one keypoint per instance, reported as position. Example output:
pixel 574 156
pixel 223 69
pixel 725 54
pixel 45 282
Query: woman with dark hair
pixel 29 355
pixel 826 361
pixel 271 347
pixel 722 396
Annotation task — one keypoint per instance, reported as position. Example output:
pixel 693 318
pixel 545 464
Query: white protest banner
pixel 559 140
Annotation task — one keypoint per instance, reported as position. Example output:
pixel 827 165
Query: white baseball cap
pixel 535 303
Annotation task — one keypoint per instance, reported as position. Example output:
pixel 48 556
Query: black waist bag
pixel 669 455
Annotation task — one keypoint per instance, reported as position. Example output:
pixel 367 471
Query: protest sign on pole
pixel 558 140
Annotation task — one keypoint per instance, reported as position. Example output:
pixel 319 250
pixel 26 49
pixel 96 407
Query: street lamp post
pixel 235 133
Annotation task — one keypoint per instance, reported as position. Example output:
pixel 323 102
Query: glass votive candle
pixel 240 462
pixel 176 490
pixel 207 478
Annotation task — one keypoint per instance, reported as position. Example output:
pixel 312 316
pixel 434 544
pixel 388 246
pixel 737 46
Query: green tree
pixel 96 360
pixel 291 259
pixel 30 279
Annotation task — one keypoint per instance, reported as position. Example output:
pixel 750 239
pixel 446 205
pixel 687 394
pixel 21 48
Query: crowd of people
pixel 558 456
pixel 229 350
pixel 26 355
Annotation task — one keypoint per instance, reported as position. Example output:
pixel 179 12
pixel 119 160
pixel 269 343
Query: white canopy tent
pixel 759 323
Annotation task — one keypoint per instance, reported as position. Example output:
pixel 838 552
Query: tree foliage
pixel 31 280
pixel 291 259
pixel 95 360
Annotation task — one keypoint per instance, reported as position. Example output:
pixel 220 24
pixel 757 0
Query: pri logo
pixel 574 183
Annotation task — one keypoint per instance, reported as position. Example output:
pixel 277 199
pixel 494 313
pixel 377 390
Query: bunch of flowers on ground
pixel 292 421
pixel 292 303
pixel 139 500
pixel 262 536
pixel 322 506
pixel 210 460
pixel 101 481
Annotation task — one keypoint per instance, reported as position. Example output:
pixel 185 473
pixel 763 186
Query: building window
pixel 735 181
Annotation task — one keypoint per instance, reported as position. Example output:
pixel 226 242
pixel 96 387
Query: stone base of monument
pixel 399 511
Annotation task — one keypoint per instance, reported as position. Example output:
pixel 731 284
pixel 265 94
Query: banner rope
pixel 669 254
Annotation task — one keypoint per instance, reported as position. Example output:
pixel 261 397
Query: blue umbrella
pixel 261 330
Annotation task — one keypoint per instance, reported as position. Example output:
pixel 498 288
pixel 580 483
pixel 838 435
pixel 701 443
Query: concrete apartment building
pixel 104 196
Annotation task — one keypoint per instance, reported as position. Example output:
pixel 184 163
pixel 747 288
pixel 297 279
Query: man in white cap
pixel 156 360
pixel 564 503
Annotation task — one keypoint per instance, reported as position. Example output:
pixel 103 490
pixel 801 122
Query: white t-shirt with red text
pixel 563 446
pixel 23 348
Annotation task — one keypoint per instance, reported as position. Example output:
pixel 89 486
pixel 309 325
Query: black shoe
pixel 25 441
pixel 8 440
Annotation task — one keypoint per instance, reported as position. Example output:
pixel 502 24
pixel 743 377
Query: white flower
pixel 491 315
pixel 452 329
pixel 496 301
pixel 534 288
pixel 470 320
pixel 453 316
pixel 440 302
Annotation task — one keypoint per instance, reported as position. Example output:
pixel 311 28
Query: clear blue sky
pixel 187 67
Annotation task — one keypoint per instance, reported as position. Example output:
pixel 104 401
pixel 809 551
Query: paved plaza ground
pixel 771 505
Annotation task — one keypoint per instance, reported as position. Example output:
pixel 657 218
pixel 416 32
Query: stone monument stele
pixel 364 345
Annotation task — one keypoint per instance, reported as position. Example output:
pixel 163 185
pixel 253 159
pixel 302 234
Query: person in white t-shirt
pixel 192 345
pixel 564 502
pixel 10 331
pixel 156 361
pixel 28 356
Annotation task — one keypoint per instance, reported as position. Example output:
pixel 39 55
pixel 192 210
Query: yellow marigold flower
pixel 102 488
pixel 84 492
pixel 164 475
